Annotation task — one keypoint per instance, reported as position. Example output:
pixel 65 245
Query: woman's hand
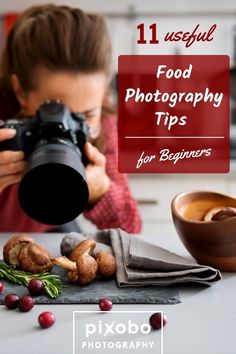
pixel 97 179
pixel 12 163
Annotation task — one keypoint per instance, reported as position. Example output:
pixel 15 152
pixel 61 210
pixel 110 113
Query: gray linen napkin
pixel 140 263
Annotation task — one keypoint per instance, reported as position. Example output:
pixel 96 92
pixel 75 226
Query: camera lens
pixel 54 189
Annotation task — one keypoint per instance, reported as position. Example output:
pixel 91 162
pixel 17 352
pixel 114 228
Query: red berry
pixel 105 304
pixel 156 321
pixel 46 319
pixel 11 301
pixel 1 287
pixel 26 303
pixel 36 287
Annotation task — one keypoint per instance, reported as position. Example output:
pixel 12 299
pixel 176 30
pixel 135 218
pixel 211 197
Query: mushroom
pixel 86 269
pixel 72 276
pixel 71 240
pixel 13 247
pixel 84 247
pixel 22 251
pixel 85 263
pixel 106 264
pixel 223 214
pixel 65 263
pixel 34 258
pixel 209 214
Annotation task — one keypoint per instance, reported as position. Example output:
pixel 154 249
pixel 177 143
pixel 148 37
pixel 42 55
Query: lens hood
pixel 54 189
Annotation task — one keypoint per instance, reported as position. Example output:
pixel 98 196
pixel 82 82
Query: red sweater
pixel 115 209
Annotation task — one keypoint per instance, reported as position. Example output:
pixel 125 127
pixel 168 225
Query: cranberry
pixel 1 287
pixel 156 320
pixel 11 301
pixel 105 304
pixel 26 303
pixel 46 319
pixel 36 287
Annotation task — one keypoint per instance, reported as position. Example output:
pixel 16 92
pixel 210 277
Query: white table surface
pixel 204 323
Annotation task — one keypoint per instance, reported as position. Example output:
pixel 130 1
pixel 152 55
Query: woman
pixel 57 52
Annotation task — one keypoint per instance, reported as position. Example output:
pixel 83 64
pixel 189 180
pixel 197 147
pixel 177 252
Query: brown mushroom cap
pixel 72 276
pixel 86 269
pixel 209 214
pixel 13 247
pixel 106 264
pixel 34 258
pixel 84 247
pixel 223 214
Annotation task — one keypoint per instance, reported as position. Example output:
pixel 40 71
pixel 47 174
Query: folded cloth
pixel 140 263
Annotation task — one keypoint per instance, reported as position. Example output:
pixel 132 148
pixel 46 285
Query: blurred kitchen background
pixel 154 192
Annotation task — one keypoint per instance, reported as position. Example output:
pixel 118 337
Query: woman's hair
pixel 58 38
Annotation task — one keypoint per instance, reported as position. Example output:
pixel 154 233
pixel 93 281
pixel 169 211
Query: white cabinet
pixel 155 192
pixel 232 188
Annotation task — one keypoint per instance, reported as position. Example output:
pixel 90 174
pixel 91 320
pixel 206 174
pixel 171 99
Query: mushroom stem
pixel 65 263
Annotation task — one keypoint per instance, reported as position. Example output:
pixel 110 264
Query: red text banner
pixel 173 113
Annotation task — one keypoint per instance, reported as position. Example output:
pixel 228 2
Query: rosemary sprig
pixel 52 282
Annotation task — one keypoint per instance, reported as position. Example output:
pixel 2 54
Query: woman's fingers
pixel 7 157
pixel 97 179
pixel 6 133
pixel 93 155
pixel 12 163
pixel 12 168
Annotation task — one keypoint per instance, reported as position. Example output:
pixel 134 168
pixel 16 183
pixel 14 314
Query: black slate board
pixel 90 294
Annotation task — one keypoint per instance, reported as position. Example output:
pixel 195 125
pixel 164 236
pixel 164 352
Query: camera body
pixel 53 120
pixel 53 189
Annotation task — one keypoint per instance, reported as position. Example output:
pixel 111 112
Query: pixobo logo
pixel 112 328
pixel 99 332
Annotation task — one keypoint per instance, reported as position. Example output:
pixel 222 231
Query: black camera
pixel 53 189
